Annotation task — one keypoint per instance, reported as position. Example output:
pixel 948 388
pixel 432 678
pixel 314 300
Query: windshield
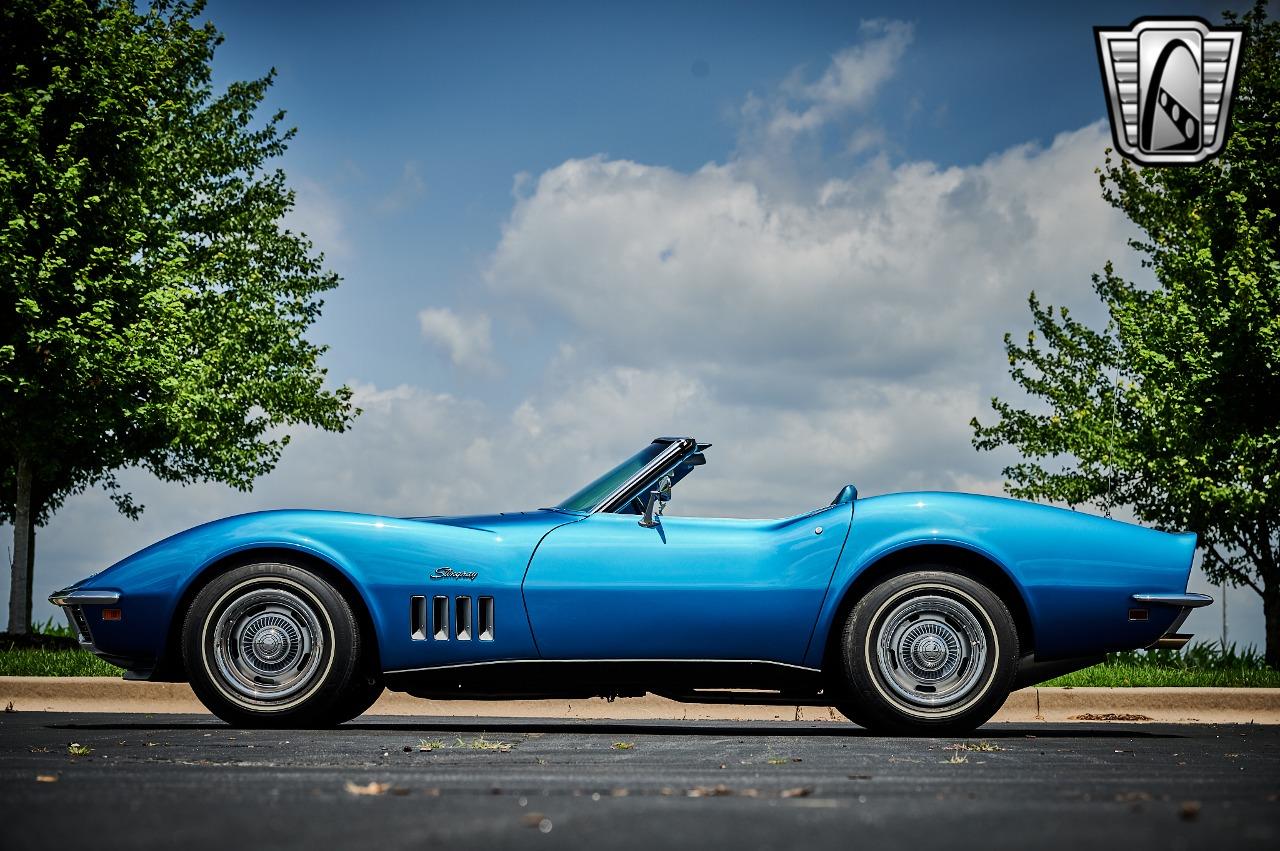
pixel 593 494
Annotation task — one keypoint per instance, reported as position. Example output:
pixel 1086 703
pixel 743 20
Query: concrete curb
pixel 1169 705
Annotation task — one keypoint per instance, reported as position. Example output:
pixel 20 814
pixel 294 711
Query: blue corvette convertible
pixel 913 612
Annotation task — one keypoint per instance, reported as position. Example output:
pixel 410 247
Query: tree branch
pixel 1239 576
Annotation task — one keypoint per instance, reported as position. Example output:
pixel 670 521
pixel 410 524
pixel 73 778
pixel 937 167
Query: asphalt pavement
pixel 173 781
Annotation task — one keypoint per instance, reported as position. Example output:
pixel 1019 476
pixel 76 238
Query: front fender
pixel 153 581
pixel 386 560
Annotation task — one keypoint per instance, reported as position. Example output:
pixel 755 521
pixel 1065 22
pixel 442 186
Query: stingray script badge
pixel 450 573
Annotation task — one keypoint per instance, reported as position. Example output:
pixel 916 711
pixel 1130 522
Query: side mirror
pixel 658 499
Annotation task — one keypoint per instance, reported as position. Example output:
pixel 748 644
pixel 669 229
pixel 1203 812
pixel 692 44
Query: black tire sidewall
pixel 362 693
pixel 341 652
pixel 874 703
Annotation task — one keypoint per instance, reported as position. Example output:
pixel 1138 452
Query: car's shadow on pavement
pixel 819 729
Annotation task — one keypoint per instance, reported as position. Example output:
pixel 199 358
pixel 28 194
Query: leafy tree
pixel 152 307
pixel 1174 408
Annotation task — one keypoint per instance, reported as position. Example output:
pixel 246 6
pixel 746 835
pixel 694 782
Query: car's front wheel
pixel 272 645
pixel 928 651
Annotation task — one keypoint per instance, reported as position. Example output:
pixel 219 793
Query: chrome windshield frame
pixel 678 448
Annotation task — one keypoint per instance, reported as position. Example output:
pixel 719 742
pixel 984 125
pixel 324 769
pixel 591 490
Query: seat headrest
pixel 848 493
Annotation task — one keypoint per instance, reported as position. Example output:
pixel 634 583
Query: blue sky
pixel 468 95
pixel 797 230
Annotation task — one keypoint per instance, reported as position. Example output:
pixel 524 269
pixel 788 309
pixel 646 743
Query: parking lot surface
pixel 138 781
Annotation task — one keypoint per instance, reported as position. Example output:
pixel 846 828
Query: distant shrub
pixel 1201 656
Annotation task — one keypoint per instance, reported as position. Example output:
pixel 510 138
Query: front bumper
pixel 125 637
pixel 1172 639
pixel 84 597
pixel 73 602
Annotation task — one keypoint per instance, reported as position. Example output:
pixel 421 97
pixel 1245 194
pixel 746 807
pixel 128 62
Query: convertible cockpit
pixel 642 484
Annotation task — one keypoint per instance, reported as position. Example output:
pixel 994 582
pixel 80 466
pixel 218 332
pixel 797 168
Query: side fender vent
pixel 484 625
pixel 440 618
pixel 466 623
pixel 462 618
pixel 418 618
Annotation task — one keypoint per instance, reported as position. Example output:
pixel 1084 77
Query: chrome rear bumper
pixel 1187 601
pixel 1172 639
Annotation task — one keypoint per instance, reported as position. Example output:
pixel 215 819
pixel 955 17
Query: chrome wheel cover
pixel 268 645
pixel 931 651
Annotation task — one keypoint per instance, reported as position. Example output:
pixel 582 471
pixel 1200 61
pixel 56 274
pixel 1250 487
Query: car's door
pixel 607 587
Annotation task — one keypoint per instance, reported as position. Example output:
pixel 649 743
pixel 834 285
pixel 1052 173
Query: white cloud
pixel 407 189
pixel 316 213
pixel 467 340
pixel 895 272
pixel 849 83
pixel 865 139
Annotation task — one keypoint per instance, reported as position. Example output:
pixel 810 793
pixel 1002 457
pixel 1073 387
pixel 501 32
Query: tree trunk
pixel 31 561
pixel 1271 622
pixel 23 552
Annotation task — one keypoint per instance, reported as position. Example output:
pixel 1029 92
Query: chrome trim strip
pixel 84 597
pixel 676 448
pixel 1172 639
pixel 1178 621
pixel 604 662
pixel 1191 601
pixel 1170 642
pixel 82 632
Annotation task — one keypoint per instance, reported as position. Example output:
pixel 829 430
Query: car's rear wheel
pixel 928 651
pixel 275 645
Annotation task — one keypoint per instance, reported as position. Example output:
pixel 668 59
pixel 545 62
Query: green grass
pixel 1200 665
pixel 480 743
pixel 1149 676
pixel 37 662
pixel 50 651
